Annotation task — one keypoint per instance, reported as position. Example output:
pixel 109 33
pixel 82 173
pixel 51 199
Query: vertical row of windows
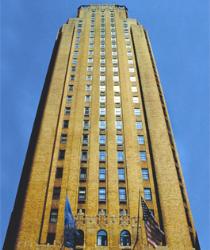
pixel 118 117
pixel 87 113
pixel 102 194
pixel 137 110
pixel 64 135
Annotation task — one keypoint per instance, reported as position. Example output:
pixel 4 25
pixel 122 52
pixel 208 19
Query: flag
pixel 154 233
pixel 70 231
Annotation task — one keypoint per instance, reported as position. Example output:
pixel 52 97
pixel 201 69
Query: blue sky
pixel 180 39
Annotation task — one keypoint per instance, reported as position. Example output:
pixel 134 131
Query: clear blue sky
pixel 180 40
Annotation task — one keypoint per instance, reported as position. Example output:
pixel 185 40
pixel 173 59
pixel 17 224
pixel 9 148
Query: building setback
pixel 101 137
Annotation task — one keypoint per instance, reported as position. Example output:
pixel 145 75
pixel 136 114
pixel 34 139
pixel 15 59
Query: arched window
pixel 125 238
pixel 80 238
pixel 102 238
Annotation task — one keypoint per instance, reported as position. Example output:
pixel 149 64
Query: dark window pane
pixel 59 173
pixel 53 215
pixel 125 238
pixel 83 174
pixel 50 238
pixel 65 124
pixel 61 154
pixel 56 193
pixel 80 238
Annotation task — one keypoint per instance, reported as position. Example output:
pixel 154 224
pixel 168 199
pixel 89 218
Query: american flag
pixel 154 233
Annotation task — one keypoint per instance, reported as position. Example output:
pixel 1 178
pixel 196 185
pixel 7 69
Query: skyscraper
pixel 102 138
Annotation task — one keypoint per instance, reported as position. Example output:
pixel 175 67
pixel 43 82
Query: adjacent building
pixel 102 138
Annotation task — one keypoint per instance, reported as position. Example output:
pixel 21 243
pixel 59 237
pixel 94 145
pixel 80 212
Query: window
pixel 72 77
pixel 53 215
pixel 120 156
pixel 85 139
pixel 102 111
pixel 139 125
pixel 56 193
pixel 134 89
pixel 102 124
pixel 65 124
pixel 116 99
pixel 140 139
pixel 102 53
pixel 117 111
pixel 83 174
pixel 102 99
pixel 84 156
pixel 115 69
pixel 67 111
pixel 119 139
pixel 131 70
pixel 133 79
pixel 102 156
pixel 143 156
pixel 102 78
pixel 90 52
pixel 121 174
pixel 118 124
pixel 90 60
pixel 89 68
pixel 103 88
pixel 73 68
pixel 74 60
pixel 102 194
pixel 59 173
pixel 63 139
pixel 135 99
pixel 102 238
pixel 114 61
pixel 102 60
pixel 80 238
pixel 145 174
pixel 137 111
pixel 88 87
pixel 71 87
pixel 102 139
pixel 102 69
pixel 86 124
pixel 87 111
pixel 116 79
pixel 147 194
pixel 117 89
pixel 125 238
pixel 130 61
pixel 129 54
pixel 61 154
pixel 50 238
pixel 122 194
pixel 102 174
pixel 87 98
pixel 82 194
pixel 89 78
